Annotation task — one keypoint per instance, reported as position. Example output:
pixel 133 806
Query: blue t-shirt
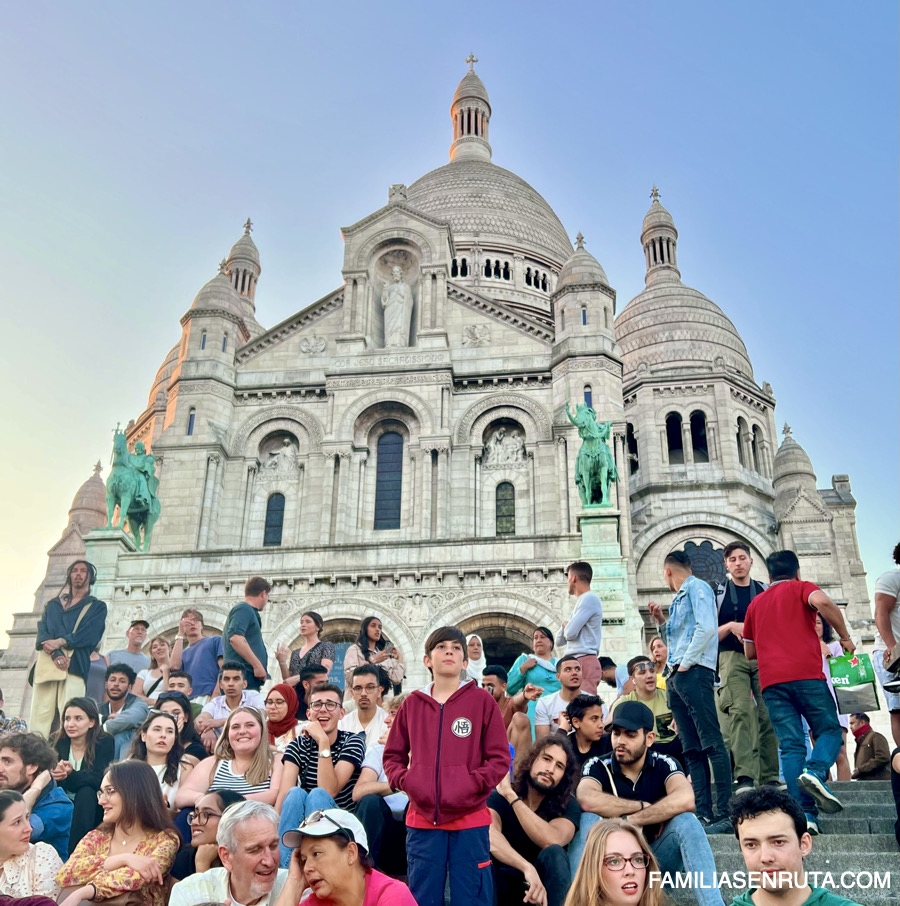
pixel 245 620
pixel 201 660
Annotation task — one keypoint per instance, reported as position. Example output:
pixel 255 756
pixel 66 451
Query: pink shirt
pixel 380 891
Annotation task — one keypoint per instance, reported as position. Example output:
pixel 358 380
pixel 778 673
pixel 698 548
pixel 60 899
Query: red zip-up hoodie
pixel 447 757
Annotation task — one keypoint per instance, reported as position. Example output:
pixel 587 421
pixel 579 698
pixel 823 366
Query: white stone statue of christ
pixel 397 302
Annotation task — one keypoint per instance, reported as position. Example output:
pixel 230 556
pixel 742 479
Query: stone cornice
pixel 390 208
pixel 300 321
pixel 499 312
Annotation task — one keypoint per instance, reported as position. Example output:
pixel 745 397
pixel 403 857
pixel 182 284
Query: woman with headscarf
pixel 475 654
pixel 281 716
pixel 538 668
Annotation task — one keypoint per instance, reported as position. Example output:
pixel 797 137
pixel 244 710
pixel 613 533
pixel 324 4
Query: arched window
pixel 203 340
pixel 755 448
pixel 588 396
pixel 487 267
pixel 224 342
pixel 506 508
pixel 274 520
pixel 673 439
pixel 496 269
pixel 606 317
pixel 389 481
pixel 631 441
pixel 699 442
pixel 464 268
pixel 741 431
pixel 191 415
pixel 454 268
pixel 544 283
pixel 506 270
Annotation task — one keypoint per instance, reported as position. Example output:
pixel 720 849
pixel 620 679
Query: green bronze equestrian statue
pixel 595 468
pixel 133 485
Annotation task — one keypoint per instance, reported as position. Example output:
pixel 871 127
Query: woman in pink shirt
pixel 331 857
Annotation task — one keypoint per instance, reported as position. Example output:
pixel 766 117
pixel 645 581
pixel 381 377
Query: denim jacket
pixel 691 628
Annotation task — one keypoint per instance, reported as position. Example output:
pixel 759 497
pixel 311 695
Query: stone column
pixel 712 441
pixel 249 485
pixel 361 460
pixel 477 461
pixel 565 514
pixel 687 441
pixel 212 465
pixel 326 497
pixel 663 447
pixel 425 491
pixel 443 490
pixel 298 522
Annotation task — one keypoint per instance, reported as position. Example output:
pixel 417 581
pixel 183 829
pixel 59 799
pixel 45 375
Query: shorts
pixel 892 698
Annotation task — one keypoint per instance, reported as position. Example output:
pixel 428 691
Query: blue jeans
pixel 430 855
pixel 788 704
pixel 682 846
pixel 297 806
pixel 693 705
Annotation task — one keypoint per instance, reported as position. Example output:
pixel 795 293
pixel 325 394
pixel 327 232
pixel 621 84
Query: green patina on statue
pixel 595 468
pixel 132 485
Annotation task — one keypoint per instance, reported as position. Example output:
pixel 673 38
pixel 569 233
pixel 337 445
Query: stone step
pixel 831 844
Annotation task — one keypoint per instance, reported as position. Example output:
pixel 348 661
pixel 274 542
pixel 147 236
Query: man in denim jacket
pixel 691 631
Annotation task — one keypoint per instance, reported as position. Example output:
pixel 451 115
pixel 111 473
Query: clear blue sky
pixel 136 139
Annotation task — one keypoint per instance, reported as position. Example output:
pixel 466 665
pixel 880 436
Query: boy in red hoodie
pixel 447 750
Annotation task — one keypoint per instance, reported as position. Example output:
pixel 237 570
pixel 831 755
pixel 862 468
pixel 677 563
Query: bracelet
pixel 845 640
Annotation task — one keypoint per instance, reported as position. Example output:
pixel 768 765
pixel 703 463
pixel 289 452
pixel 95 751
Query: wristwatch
pixel 324 753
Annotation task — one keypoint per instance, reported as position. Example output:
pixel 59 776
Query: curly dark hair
pixel 557 801
pixel 764 799
pixel 897 555
pixel 32 748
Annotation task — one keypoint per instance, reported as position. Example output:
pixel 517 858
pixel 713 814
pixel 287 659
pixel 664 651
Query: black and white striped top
pixel 225 779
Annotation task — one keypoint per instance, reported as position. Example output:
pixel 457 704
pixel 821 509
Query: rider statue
pixel 145 464
pixel 595 467
pixel 132 486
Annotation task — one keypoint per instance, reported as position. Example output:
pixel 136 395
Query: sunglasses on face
pixel 644 668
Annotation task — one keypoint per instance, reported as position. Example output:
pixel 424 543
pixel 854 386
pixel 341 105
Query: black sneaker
pixel 717 826
pixel 777 785
pixel 744 785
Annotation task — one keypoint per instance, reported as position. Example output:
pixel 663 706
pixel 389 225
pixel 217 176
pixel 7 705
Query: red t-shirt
pixel 782 625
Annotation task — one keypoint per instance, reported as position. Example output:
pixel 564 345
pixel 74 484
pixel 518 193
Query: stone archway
pixel 505 637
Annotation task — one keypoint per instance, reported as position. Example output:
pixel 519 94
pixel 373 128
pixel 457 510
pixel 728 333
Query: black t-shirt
pixel 736 611
pixel 512 829
pixel 603 746
pixel 650 785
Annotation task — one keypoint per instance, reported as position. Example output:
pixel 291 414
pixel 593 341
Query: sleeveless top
pixel 224 779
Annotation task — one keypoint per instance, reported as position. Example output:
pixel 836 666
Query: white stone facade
pixel 502 324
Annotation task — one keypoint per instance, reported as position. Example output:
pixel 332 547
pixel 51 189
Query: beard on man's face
pixel 542 784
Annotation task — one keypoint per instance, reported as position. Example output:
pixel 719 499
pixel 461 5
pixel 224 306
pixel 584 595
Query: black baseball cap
pixel 143 623
pixel 633 716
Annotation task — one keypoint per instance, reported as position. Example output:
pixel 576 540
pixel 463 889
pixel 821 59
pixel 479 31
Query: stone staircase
pixel 859 840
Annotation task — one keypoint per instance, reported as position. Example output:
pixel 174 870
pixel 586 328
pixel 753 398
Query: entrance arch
pixel 504 636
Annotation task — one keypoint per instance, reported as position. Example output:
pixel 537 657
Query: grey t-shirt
pixel 137 662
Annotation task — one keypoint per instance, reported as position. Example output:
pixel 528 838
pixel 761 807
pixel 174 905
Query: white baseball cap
pixel 326 823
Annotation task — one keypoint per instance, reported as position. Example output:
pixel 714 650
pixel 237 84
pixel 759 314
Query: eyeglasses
pixel 644 668
pixel 318 815
pixel 105 792
pixel 617 863
pixel 369 689
pixel 275 702
pixel 328 706
pixel 201 818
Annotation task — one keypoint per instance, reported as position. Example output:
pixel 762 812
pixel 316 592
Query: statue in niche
pixel 397 302
pixel 283 459
pixel 595 467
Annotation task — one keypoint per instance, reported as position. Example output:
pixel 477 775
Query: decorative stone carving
pixel 312 345
pixel 282 461
pixel 476 335
pixel 504 448
pixel 512 402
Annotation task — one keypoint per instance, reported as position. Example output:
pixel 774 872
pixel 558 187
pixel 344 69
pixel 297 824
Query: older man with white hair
pixel 248 848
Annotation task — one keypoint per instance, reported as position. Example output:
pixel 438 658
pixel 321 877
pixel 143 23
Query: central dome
pixel 485 203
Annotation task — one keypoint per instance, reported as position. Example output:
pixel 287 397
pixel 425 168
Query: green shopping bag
pixel 853 681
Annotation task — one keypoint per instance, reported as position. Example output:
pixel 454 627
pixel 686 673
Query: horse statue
pixel 595 467
pixel 132 485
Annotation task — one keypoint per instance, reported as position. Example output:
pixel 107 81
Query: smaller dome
pixel 161 381
pixel 657 215
pixel 219 294
pixel 245 247
pixel 471 86
pixel 791 464
pixel 582 269
pixel 88 508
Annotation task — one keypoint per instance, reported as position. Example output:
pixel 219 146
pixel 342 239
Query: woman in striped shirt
pixel 244 762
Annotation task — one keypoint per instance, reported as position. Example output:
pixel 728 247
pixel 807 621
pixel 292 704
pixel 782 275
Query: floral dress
pixel 85 866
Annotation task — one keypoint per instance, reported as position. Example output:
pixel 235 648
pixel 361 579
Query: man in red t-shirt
pixel 780 632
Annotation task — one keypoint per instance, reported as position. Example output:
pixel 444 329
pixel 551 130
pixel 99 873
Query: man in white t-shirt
pixel 886 656
pixel 548 709
pixel 368 718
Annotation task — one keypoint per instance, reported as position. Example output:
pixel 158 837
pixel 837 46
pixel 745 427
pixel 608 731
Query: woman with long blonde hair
pixel 244 762
pixel 616 868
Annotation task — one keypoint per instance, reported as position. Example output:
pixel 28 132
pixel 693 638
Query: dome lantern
pixel 243 268
pixel 659 239
pixel 471 116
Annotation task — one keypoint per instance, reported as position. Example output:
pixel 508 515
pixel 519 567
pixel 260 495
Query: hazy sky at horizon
pixel 136 140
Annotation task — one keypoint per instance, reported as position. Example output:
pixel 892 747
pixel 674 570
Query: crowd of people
pixel 190 776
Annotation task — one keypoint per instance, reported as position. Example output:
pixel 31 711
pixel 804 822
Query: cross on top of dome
pixel 654 193
pixel 579 241
pixel 248 225
pixel 786 430
pixel 98 468
pixel 471 59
